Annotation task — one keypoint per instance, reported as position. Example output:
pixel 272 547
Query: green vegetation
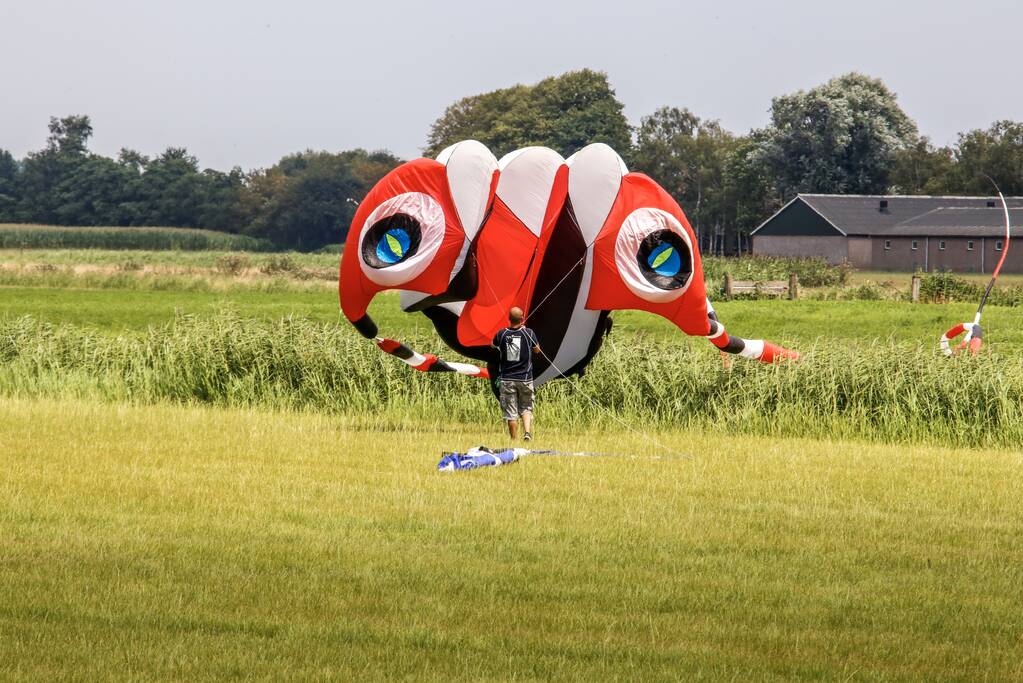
pixel 187 543
pixel 947 287
pixel 122 301
pixel 812 272
pixel 185 239
pixel 132 310
pixel 880 392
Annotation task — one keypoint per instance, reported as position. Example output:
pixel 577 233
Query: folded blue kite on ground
pixel 480 456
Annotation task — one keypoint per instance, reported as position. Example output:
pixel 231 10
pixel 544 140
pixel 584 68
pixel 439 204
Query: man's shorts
pixel 516 398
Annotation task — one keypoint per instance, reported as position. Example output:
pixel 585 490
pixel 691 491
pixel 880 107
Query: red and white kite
pixel 466 237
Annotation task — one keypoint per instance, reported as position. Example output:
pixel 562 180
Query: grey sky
pixel 243 83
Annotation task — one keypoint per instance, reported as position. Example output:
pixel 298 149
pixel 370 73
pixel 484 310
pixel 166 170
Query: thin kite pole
pixel 974 333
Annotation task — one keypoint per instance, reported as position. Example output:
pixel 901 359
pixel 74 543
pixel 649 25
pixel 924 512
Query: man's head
pixel 515 316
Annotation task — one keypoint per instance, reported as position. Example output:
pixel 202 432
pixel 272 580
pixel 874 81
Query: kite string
pixel 584 454
pixel 534 309
pixel 575 385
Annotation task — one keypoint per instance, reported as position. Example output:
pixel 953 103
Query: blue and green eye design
pixel 391 240
pixel 393 246
pixel 665 260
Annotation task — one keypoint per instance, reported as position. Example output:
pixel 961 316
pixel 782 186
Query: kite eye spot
pixel 654 255
pixel 401 238
pixel 664 260
pixel 394 245
pixel 391 241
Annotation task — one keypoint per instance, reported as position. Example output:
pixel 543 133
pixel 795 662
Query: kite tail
pixel 428 362
pixel 755 349
pixel 971 342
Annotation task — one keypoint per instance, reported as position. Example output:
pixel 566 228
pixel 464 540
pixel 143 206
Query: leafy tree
pixel 996 152
pixel 8 187
pixel 133 206
pixel 69 135
pixel 44 170
pixel 132 159
pixel 563 112
pixel 688 157
pixel 749 187
pixel 220 208
pixel 923 168
pixel 840 137
pixel 93 191
pixel 579 108
pixel 172 190
pixel 308 199
pixel 665 141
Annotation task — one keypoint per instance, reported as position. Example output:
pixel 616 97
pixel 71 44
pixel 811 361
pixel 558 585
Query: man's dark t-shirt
pixel 515 345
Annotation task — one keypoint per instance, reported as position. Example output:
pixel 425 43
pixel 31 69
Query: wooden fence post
pixel 916 289
pixel 728 284
pixel 793 286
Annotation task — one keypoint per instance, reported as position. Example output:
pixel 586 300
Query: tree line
pixel 846 136
pixel 304 201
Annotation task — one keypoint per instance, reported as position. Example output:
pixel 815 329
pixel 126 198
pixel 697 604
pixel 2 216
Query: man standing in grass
pixel 516 345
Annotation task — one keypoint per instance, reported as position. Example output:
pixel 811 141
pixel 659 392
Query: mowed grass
pixel 782 321
pixel 119 310
pixel 904 280
pixel 190 543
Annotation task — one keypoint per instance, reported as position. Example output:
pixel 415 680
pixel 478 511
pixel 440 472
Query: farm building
pixel 895 232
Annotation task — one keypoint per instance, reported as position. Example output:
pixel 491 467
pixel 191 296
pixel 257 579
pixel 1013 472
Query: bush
pixel 867 292
pixel 812 272
pixel 232 264
pixel 943 287
pixel 278 264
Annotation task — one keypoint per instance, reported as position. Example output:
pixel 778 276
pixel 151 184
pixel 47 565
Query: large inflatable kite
pixel 465 237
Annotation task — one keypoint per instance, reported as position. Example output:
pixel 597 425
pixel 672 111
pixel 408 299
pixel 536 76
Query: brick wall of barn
pixel 860 252
pixel 1013 262
pixel 957 255
pixel 898 254
pixel 831 248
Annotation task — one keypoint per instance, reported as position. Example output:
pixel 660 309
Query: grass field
pixel 169 258
pixel 903 280
pixel 206 474
pixel 184 543
pixel 795 322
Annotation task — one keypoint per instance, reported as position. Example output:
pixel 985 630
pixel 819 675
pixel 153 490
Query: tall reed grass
pixel 883 392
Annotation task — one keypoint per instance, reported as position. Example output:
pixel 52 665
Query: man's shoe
pixel 528 436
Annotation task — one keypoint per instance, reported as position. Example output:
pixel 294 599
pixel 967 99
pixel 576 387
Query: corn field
pixel 184 239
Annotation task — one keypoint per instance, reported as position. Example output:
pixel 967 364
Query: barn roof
pixel 961 222
pixel 894 214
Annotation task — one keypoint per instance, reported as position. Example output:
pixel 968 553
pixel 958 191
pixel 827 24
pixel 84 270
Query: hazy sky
pixel 243 83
